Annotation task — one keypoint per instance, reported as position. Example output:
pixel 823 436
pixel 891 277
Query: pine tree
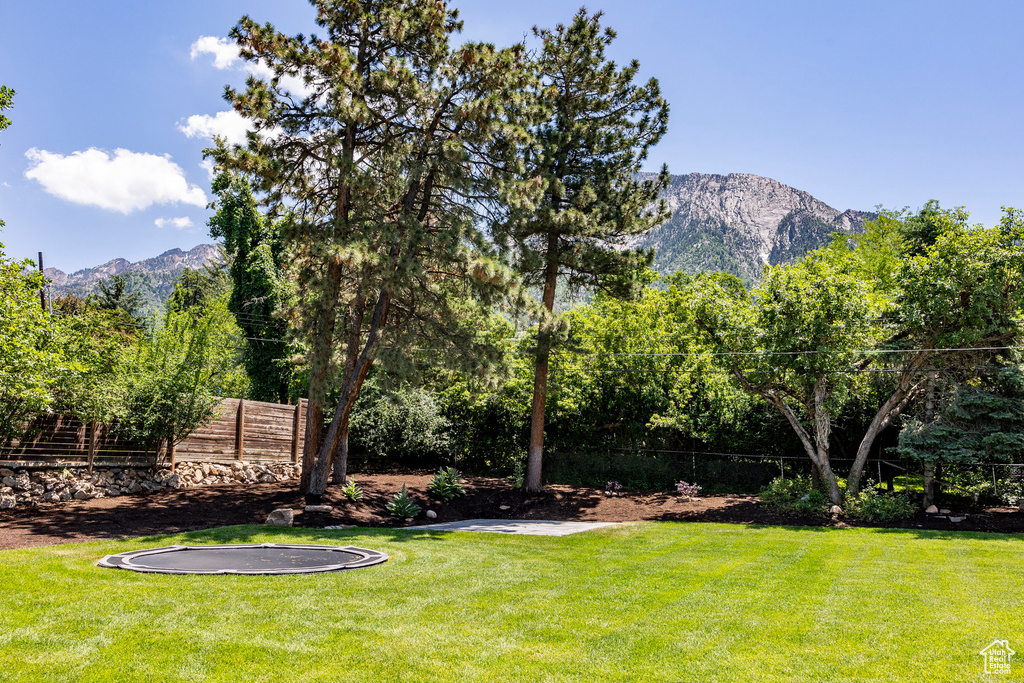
pixel 383 168
pixel 587 155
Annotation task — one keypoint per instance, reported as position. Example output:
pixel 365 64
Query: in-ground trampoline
pixel 264 558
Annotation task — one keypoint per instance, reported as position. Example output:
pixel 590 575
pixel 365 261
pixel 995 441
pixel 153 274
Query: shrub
pixel 684 489
pixel 873 506
pixel 794 495
pixel 613 487
pixel 447 484
pixel 402 505
pixel 351 490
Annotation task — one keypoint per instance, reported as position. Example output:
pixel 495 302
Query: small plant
pixel 688 490
pixel 794 495
pixel 351 490
pixel 873 506
pixel 518 474
pixel 447 484
pixel 613 487
pixel 402 505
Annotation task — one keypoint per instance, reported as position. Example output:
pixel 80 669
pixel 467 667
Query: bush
pixel 689 490
pixel 873 506
pixel 794 495
pixel 351 490
pixel 447 484
pixel 402 505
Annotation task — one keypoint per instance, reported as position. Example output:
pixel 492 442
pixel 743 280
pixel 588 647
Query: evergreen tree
pixel 114 295
pixel 254 244
pixel 587 154
pixel 382 169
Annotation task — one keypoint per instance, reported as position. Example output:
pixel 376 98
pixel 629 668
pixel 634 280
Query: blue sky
pixel 860 103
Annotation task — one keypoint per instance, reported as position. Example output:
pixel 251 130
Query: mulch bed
pixel 214 506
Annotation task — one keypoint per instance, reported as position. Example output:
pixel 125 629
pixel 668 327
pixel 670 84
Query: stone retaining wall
pixel 28 488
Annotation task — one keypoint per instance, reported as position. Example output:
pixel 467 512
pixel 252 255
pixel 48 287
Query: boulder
pixel 836 510
pixel 319 508
pixel 7 502
pixel 932 510
pixel 281 517
pixel 944 511
pixel 431 514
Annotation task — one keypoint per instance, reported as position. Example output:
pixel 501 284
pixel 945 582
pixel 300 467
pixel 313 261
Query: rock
pixel 173 481
pixel 944 512
pixel 957 519
pixel 7 502
pixel 82 494
pixel 4 472
pixel 608 494
pixel 504 507
pixel 319 508
pixel 431 514
pixel 113 491
pixel 683 499
pixel 335 527
pixel 408 519
pixel 281 517
pixel 932 510
pixel 51 497
pixel 21 482
pixel 836 510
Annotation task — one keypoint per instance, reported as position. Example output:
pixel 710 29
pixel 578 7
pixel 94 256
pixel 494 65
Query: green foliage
pixel 405 424
pixel 984 422
pixel 794 495
pixel 871 505
pixel 370 171
pixel 402 505
pixel 352 490
pixel 447 484
pixel 6 102
pixel 197 289
pixel 174 376
pixel 116 295
pixel 255 247
pixel 27 358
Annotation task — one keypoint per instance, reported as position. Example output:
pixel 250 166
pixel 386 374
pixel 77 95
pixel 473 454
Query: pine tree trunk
pixel 535 455
pixel 320 365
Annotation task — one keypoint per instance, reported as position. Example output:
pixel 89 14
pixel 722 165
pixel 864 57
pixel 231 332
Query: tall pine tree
pixel 383 164
pixel 587 155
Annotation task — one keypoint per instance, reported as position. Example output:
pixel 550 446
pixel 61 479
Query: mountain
pixel 153 278
pixel 738 222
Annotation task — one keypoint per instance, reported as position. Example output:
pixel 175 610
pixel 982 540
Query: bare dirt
pixel 204 508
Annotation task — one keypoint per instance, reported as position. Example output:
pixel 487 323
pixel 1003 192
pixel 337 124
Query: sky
pixel 861 103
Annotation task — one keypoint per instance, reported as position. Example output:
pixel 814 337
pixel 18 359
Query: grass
pixel 640 602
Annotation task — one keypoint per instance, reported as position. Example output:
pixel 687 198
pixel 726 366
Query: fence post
pixel 295 432
pixel 92 444
pixel 240 430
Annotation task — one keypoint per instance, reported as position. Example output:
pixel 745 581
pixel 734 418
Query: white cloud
pixel 179 223
pixel 225 52
pixel 124 182
pixel 225 56
pixel 228 124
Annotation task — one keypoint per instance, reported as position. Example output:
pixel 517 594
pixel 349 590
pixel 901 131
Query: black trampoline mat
pixel 265 558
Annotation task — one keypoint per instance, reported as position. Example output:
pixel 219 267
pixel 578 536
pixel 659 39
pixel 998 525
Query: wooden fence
pixel 253 431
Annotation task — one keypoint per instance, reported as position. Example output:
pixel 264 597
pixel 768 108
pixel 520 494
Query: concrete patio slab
pixel 531 527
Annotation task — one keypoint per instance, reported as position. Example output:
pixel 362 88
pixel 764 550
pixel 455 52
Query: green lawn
pixel 643 602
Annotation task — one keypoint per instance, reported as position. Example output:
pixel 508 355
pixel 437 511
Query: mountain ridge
pixel 739 222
